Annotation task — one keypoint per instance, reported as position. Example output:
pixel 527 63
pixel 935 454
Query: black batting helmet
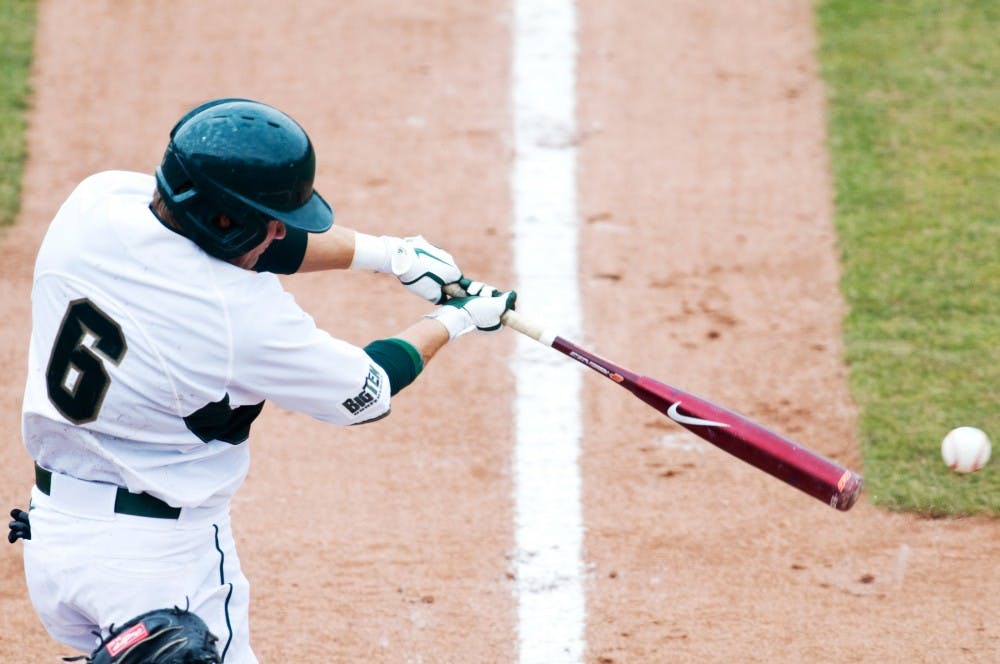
pixel 246 160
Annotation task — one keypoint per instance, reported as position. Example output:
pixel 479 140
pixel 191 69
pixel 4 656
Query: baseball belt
pixel 126 502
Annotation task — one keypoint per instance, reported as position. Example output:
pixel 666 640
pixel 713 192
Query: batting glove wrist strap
pixel 374 253
pixel 457 321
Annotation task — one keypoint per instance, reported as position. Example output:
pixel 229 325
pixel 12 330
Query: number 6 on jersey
pixel 75 377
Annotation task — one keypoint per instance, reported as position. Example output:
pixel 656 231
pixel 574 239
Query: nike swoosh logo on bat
pixel 684 419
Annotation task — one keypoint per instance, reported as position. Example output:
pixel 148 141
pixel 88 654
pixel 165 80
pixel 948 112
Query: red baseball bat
pixel 776 455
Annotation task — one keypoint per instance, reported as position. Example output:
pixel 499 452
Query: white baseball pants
pixel 88 567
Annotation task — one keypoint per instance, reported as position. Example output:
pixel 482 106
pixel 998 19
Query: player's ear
pixel 280 229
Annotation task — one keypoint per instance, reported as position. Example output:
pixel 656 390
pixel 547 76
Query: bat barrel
pixel 776 455
pixel 780 457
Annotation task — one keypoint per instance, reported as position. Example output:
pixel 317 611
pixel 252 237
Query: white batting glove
pixel 476 312
pixel 470 287
pixel 420 266
pixel 424 269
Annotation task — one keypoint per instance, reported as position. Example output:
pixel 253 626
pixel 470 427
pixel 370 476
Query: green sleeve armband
pixel 400 360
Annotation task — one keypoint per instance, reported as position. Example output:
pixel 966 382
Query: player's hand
pixel 423 268
pixel 475 312
pixel 465 286
pixel 20 527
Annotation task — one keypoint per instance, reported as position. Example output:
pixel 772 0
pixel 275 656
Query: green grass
pixel 17 32
pixel 914 131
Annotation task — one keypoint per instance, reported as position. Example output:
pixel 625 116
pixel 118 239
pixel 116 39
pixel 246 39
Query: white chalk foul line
pixel 549 528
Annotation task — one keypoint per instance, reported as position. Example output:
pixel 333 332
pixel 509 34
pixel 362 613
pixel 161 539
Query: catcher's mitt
pixel 162 636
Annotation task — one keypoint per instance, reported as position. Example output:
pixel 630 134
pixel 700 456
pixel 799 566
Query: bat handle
pixel 512 319
pixel 527 327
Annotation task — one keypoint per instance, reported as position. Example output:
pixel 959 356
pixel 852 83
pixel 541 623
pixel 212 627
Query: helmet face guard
pixel 248 161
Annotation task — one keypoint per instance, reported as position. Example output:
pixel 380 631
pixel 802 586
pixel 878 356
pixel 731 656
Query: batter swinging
pixel 159 330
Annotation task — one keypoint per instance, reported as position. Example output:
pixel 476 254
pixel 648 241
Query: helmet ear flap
pixel 198 215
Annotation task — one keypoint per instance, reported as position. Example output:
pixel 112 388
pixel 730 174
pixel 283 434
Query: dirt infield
pixel 707 259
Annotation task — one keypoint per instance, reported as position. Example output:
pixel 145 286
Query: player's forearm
pixel 332 250
pixel 341 248
pixel 427 336
pixel 403 356
pixel 421 266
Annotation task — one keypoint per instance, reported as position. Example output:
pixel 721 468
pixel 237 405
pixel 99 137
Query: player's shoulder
pixel 110 183
pixel 107 187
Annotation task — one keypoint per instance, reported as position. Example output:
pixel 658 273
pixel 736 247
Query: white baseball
pixel 965 449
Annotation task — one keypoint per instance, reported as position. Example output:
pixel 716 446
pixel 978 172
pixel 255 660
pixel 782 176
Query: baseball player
pixel 159 328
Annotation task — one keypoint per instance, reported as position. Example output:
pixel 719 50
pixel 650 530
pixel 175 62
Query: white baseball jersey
pixel 149 358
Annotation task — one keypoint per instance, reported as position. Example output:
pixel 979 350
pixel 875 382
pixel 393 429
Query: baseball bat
pixel 745 439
